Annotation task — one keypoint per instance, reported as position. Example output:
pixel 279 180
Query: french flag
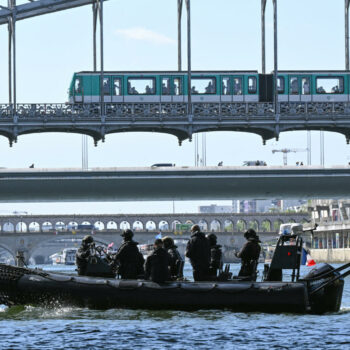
pixel 307 259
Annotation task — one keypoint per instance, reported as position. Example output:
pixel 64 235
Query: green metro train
pixel 210 86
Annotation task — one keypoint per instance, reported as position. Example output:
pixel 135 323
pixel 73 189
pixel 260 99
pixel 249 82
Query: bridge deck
pixel 172 118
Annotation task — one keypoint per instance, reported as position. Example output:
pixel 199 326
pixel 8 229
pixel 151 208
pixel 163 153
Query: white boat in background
pixel 65 257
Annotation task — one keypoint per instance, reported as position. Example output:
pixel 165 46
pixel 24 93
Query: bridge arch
pixel 203 225
pixel 34 227
pixel 215 226
pixel 21 227
pixel 228 225
pixel 124 225
pixel 241 225
pixel 99 225
pixel 151 225
pixel 174 223
pixel 163 225
pixel 276 224
pixel 254 225
pixel 265 226
pixel 60 226
pixel 46 226
pixel 8 227
pixel 111 225
pixel 137 225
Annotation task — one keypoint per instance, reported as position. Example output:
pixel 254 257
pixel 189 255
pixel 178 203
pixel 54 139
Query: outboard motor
pixel 325 288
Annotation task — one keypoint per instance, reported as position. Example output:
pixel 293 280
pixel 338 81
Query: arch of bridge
pixel 143 219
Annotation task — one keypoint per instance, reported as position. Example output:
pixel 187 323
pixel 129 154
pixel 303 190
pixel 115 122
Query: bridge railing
pixel 168 110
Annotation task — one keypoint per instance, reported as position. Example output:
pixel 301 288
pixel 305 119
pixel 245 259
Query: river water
pixel 74 328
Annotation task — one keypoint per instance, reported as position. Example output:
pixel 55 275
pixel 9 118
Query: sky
pixel 142 35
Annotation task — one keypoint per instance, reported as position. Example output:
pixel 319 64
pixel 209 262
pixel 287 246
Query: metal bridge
pixel 172 118
pixel 180 119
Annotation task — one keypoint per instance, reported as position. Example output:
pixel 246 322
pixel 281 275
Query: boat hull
pixel 40 288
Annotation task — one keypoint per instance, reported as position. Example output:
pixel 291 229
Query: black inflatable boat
pixel 320 292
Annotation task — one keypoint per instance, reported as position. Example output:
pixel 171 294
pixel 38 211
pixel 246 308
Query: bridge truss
pixel 173 118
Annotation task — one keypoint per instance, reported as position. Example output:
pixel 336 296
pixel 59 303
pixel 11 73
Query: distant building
pixel 213 209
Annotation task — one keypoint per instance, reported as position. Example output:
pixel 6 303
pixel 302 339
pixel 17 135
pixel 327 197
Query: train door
pixel 177 89
pixel 305 88
pixel 106 88
pixel 237 88
pixel 294 88
pixel 78 90
pixel 117 89
pixel 165 89
pixel 225 89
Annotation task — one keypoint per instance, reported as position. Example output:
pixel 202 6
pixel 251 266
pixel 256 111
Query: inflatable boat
pixel 318 292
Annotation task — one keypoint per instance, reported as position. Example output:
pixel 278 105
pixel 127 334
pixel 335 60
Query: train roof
pixel 312 71
pixel 173 72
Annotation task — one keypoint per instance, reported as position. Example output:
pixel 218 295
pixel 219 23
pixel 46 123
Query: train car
pixel 207 86
pixel 313 86
pixel 210 86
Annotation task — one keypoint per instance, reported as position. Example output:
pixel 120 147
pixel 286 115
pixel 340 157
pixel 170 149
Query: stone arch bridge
pixel 30 233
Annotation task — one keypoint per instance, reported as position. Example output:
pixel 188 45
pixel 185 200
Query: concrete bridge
pixel 31 234
pixel 173 183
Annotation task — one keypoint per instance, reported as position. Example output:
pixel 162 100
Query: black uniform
pixel 250 255
pixel 174 261
pixel 129 260
pixel 198 251
pixel 82 258
pixel 156 266
pixel 215 260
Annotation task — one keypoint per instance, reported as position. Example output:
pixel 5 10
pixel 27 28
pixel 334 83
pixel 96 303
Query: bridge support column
pixel 12 56
pixel 189 69
pixel 179 51
pixel 21 259
pixel 347 3
pixel 263 55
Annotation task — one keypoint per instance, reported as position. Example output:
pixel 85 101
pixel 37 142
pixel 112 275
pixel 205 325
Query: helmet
pixel 250 233
pixel 127 234
pixel 212 238
pixel 88 239
pixel 195 228
pixel 168 242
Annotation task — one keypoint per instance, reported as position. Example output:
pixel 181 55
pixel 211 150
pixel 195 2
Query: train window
pixel 280 85
pixel 330 85
pixel 305 86
pixel 117 86
pixel 203 86
pixel 252 85
pixel 225 88
pixel 293 86
pixel 141 86
pixel 237 86
pixel 166 86
pixel 77 85
pixel 106 90
pixel 177 86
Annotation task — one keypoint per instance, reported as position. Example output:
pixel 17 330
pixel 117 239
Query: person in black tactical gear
pixel 176 260
pixel 128 258
pixel 250 255
pixel 157 264
pixel 198 251
pixel 83 254
pixel 215 255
